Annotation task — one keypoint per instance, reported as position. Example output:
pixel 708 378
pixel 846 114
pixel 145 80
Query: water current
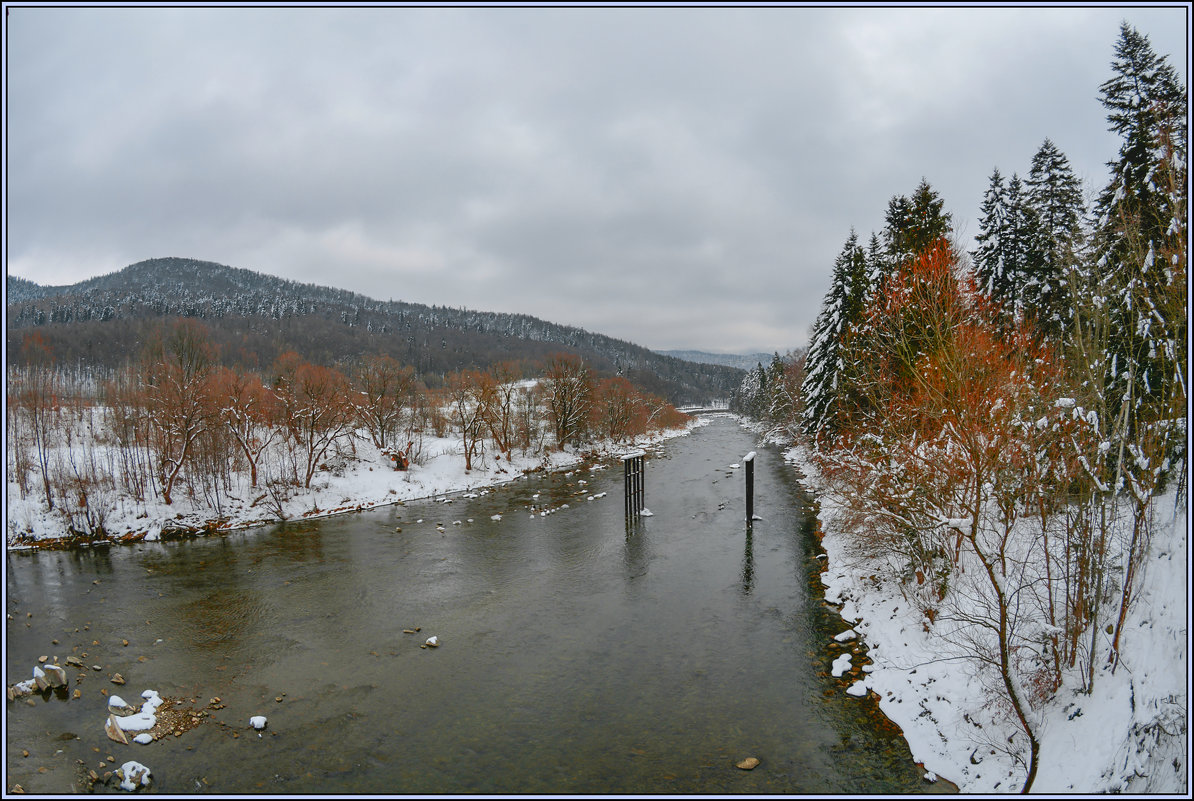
pixel 579 653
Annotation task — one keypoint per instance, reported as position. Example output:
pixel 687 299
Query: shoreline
pixel 375 484
pixel 212 528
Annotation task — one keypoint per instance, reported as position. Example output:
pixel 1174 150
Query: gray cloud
pixel 676 177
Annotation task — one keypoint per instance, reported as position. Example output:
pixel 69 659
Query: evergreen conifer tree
pixel 915 224
pixel 1055 197
pixel 841 311
pixel 1140 232
pixel 989 257
pixel 1008 245
pixel 878 266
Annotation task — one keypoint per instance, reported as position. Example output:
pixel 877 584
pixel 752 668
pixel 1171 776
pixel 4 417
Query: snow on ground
pixel 353 483
pixel 1108 741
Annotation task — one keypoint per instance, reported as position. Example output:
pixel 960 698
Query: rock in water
pixel 133 775
pixel 114 732
pixel 750 763
pixel 55 675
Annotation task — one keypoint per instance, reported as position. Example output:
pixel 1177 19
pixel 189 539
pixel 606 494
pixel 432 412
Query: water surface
pixel 578 655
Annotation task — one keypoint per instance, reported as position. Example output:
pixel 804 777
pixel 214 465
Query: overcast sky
pixel 680 178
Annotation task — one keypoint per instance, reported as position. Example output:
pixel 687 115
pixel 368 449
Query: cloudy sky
pixel 681 178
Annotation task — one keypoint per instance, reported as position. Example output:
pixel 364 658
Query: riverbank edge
pixel 1120 764
pixel 789 451
pixel 940 785
pixel 169 531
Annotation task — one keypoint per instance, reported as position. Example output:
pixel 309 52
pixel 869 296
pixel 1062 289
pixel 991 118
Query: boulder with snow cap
pixel 133 775
pixel 55 675
pixel 113 730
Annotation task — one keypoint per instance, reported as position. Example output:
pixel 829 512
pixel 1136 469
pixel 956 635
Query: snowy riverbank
pixel 1130 735
pixel 351 483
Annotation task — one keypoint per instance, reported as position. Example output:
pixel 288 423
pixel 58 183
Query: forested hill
pixel 253 317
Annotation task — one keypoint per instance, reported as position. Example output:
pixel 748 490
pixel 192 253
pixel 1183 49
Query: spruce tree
pixel 841 312
pixel 915 224
pixel 1055 197
pixel 1140 233
pixel 878 266
pixel 989 257
pixel 1140 297
pixel 1023 250
pixel 1009 251
pixel 780 403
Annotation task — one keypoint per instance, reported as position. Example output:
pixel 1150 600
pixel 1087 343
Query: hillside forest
pixel 175 422
pixel 1000 425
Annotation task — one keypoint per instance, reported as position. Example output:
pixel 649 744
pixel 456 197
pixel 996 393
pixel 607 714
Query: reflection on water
pixel 582 652
pixel 748 561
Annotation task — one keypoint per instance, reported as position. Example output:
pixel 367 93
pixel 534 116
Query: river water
pixel 578 653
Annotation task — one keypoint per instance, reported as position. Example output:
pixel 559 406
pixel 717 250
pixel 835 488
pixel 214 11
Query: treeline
pixel 999 424
pixel 773 394
pixel 253 317
pixel 176 420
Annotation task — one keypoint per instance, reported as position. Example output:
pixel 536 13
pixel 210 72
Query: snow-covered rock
pixel 133 775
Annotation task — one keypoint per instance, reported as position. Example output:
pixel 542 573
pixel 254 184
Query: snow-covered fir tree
pixel 1140 234
pixel 1055 197
pixel 1008 251
pixel 840 311
pixel 989 257
pixel 914 224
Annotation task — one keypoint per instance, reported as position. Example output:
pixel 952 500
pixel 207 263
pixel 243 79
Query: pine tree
pixel 841 311
pixel 1055 197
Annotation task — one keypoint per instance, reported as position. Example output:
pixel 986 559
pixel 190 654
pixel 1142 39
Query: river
pixel 578 653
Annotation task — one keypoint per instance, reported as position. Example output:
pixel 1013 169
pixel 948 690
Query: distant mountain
pixel 739 361
pixel 254 317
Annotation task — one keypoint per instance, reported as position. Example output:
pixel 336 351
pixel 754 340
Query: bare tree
pixel 384 388
pixel 502 396
pixel 248 411
pixel 618 410
pixel 567 390
pixel 468 392
pixel 36 394
pixel 177 396
pixel 316 408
